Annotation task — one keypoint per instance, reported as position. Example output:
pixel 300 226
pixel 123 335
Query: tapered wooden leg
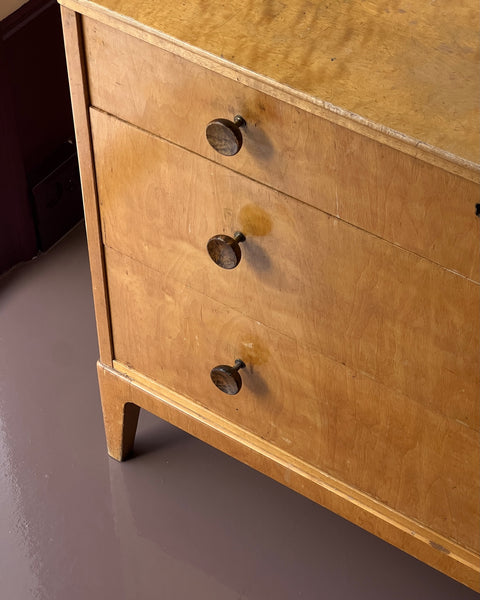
pixel 120 416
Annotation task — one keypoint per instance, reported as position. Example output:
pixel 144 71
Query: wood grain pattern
pixel 407 323
pixel 400 65
pixel 358 323
pixel 71 23
pixel 335 418
pixel 407 201
pixel 413 537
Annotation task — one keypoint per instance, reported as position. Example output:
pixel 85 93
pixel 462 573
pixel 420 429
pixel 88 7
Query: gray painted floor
pixel 179 520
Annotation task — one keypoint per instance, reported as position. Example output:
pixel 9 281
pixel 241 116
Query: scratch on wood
pixel 439 547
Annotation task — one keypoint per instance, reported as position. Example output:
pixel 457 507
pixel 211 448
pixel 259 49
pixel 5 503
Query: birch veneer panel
pixel 351 313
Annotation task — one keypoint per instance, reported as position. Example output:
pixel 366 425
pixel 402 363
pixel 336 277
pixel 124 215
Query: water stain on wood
pixel 254 221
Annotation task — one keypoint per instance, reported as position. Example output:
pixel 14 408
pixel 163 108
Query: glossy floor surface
pixel 179 520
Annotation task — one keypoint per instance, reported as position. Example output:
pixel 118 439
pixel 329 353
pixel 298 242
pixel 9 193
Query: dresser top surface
pixel 409 66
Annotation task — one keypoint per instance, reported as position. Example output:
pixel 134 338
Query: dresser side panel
pixel 72 27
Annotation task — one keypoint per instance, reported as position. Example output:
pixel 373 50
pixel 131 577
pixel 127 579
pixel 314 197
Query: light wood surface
pixel 120 417
pixel 358 323
pixel 403 66
pixel 413 537
pixel 80 101
pixel 354 297
pixel 357 179
pixel 336 418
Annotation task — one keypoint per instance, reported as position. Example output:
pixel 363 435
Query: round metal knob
pixel 227 379
pixel 225 136
pixel 225 250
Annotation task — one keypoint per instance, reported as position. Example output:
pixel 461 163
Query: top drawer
pixel 404 200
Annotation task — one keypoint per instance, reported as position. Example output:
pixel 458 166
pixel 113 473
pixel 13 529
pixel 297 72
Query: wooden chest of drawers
pixel 346 213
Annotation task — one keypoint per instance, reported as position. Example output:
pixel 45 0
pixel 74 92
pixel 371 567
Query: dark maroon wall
pixel 17 232
pixel 35 128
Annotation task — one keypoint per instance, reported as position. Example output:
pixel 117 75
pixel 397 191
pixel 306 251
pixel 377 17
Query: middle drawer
pixel 405 322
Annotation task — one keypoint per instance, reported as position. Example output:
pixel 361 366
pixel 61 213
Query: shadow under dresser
pixel 281 204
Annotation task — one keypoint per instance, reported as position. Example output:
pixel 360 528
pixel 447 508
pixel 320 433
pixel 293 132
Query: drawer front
pixel 381 442
pixel 403 321
pixel 406 201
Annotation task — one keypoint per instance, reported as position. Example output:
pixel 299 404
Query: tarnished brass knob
pixel 227 379
pixel 225 250
pixel 225 136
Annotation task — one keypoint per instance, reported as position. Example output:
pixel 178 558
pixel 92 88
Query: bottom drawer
pixel 414 460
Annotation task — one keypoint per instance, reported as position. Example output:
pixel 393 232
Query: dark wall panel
pixel 17 232
pixel 36 134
